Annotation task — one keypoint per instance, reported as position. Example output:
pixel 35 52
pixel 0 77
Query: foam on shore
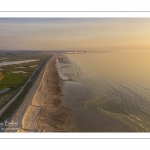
pixel 65 68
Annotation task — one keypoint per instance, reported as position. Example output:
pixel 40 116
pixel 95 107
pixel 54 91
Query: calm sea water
pixel 120 82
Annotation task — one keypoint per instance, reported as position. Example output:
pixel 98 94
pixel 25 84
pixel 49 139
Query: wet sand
pixel 58 105
pixel 84 120
pixel 46 113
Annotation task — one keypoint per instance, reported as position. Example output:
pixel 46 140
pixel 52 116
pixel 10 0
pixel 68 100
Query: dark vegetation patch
pixel 13 108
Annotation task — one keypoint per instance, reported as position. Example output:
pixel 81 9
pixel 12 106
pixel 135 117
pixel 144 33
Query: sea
pixel 120 83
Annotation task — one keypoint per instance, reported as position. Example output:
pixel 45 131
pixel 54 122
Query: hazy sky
pixel 74 34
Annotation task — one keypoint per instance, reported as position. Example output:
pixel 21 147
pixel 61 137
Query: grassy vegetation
pixel 1 76
pixel 16 80
pixel 13 108
pixel 12 80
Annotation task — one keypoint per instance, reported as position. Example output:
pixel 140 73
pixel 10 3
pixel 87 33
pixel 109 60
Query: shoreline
pixel 46 113
pixel 85 120
pixel 58 104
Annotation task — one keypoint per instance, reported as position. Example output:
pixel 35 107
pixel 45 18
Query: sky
pixel 75 34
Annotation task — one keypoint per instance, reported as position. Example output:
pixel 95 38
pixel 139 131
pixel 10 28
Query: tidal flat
pixel 120 85
pixel 76 96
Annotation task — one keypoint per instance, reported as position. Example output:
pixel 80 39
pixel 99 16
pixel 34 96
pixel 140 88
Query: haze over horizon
pixel 75 34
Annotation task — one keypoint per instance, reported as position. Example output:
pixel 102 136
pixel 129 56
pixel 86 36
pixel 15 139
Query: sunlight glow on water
pixel 120 82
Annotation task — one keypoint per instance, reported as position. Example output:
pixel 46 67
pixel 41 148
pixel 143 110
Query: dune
pixel 46 113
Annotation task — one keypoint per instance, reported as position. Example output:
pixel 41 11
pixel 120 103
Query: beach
pixel 75 96
pixel 58 105
pixel 46 113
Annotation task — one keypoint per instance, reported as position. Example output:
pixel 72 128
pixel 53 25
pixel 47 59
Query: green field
pixel 12 80
pixel 15 80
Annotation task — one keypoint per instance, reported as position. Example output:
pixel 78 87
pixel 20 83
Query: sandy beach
pixel 58 104
pixel 46 113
